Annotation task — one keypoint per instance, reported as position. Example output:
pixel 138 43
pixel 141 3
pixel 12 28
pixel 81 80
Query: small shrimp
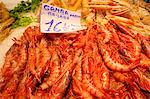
pixel 117 89
pixel 78 90
pixel 22 60
pixel 135 91
pixel 105 77
pixel 123 77
pixel 67 64
pixel 78 70
pixel 28 34
pixel 54 70
pixel 144 41
pixel 143 79
pixel 120 11
pixel 26 86
pixel 123 41
pixel 60 71
pixel 13 64
pixel 11 86
pixel 87 85
pixel 115 63
pixel 122 28
pixel 37 55
pixel 42 94
pixel 21 92
pixel 12 51
pixel 146 47
pixel 16 72
pixel 11 55
pixel 96 79
pixel 58 89
pixel 5 77
pixel 132 48
pixel 44 58
pixel 113 33
pixel 37 32
pixel 101 74
pixel 31 58
pixel 108 34
pixel 33 34
pixel 120 19
pixel 93 90
pixel 145 61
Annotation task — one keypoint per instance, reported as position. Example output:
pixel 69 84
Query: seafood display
pixel 109 61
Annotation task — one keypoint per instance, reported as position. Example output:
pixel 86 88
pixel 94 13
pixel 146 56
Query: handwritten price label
pixel 58 20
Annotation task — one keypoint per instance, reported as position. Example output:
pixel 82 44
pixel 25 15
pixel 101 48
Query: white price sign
pixel 58 20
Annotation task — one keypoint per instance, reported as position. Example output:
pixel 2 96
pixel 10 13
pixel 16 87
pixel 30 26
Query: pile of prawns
pixel 104 62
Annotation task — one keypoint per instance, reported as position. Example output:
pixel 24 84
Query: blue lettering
pixel 61 11
pixel 50 24
pixel 57 10
pixel 66 12
pixel 55 27
pixel 60 16
pixel 73 15
pixel 46 7
pixel 57 15
pixel 65 27
pixel 53 14
pixel 49 13
pixel 52 8
pixel 64 17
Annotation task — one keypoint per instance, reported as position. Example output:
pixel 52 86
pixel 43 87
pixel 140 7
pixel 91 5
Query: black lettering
pixel 49 13
pixel 61 11
pixel 52 8
pixel 66 12
pixel 46 7
pixel 57 10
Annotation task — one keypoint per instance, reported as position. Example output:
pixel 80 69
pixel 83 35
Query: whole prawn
pixel 86 80
pixel 55 65
pixel 14 65
pixel 44 58
pixel 143 79
pixel 116 64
